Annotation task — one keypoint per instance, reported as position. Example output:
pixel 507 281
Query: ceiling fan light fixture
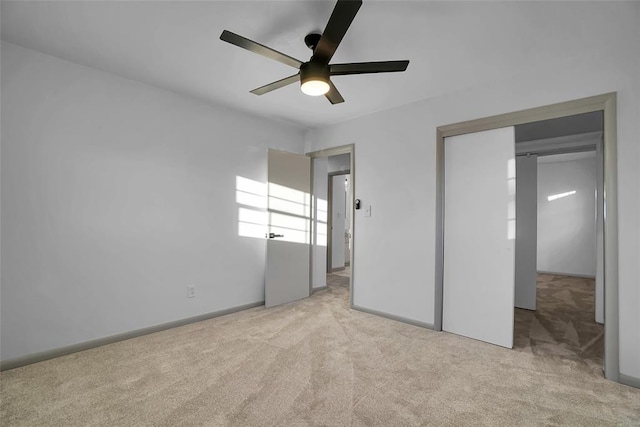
pixel 314 79
pixel 315 87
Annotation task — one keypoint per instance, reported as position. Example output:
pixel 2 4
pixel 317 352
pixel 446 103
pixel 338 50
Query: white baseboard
pixel 556 273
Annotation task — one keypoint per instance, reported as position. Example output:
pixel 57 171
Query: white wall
pixel 395 156
pixel 116 196
pixel 567 226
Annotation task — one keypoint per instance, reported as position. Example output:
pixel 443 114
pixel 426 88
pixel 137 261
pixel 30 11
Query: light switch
pixel 367 211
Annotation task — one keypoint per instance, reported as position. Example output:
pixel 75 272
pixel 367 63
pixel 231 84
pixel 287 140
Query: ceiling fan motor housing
pixel 314 71
pixel 311 40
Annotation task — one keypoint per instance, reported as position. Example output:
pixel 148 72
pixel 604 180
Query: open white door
pixel 479 236
pixel 338 213
pixel 289 210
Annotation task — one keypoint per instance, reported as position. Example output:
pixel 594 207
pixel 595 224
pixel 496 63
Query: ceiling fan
pixel 314 74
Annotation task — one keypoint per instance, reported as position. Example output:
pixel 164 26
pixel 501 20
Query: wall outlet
pixel 191 291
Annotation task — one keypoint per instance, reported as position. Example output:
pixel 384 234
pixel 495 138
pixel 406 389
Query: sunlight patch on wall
pixel 321 223
pixel 252 214
pixel 252 223
pixel 288 200
pixel 271 208
pixel 560 195
pixel 251 193
pixel 289 214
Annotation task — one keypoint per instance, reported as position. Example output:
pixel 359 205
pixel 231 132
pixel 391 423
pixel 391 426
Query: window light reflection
pixel 288 221
pixel 321 223
pixel 289 211
pixel 252 214
pixel 286 199
pixel 251 193
pixel 560 195
pixel 511 205
pixel 321 210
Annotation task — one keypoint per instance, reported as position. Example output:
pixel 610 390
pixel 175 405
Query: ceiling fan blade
pixel 255 47
pixel 339 22
pixel 276 85
pixel 368 67
pixel 333 95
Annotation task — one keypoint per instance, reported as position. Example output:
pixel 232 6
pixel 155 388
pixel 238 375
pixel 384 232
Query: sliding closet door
pixel 479 236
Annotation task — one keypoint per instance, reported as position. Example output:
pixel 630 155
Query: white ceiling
pixel 175 45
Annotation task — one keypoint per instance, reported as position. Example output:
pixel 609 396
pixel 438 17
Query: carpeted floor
pixel 563 324
pixel 312 362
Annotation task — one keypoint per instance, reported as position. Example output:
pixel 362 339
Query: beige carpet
pixel 314 362
pixel 563 323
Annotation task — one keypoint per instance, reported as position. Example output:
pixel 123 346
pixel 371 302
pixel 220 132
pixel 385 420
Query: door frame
pixel 330 176
pixel 605 103
pixel 329 152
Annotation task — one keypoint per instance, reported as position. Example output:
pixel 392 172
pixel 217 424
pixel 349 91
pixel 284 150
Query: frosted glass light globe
pixel 315 87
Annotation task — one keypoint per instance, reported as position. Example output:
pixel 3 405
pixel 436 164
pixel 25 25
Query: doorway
pixel 339 224
pixel 339 221
pixel 608 252
pixel 559 298
pixel 333 222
